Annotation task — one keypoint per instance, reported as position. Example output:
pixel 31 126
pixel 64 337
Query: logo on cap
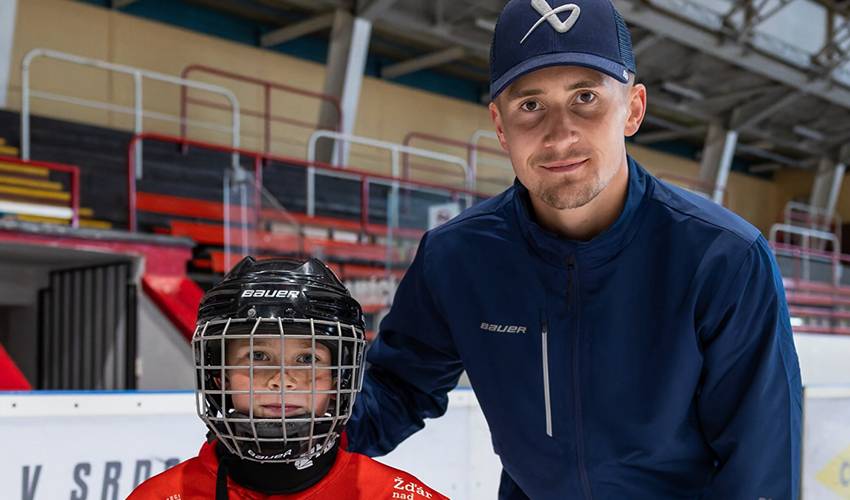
pixel 549 14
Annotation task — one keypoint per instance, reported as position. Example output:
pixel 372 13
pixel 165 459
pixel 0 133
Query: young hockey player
pixel 279 360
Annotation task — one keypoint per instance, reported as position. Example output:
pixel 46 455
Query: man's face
pixel 299 356
pixel 564 129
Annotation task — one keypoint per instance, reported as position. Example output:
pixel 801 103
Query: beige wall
pixel 386 111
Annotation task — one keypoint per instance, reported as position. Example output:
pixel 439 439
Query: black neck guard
pixel 272 478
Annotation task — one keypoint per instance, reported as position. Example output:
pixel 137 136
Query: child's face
pixel 266 353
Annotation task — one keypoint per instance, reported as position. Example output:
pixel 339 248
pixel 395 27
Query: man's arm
pixel 750 401
pixel 413 366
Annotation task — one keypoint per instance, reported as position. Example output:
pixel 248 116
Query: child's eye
pixel 586 97
pixel 308 358
pixel 260 356
pixel 531 106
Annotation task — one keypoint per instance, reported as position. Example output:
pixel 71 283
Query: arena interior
pixel 146 146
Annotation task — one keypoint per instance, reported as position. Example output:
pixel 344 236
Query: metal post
pixel 25 108
pixel 138 119
pixel 131 325
pixel 717 158
pixel 392 209
pixel 359 50
pixel 226 218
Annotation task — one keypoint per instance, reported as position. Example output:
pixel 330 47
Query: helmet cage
pixel 287 439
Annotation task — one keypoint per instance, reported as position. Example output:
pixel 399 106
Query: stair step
pixel 15 168
pixel 31 183
pixel 8 151
pixel 34 193
pixel 86 223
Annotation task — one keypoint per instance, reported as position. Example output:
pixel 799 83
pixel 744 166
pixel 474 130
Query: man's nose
pixel 561 131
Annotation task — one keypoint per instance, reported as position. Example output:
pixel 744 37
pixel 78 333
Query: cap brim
pixel 615 70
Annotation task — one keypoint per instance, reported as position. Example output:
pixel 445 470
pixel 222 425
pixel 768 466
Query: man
pixel 625 339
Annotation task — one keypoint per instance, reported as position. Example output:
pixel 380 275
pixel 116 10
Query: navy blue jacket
pixel 655 361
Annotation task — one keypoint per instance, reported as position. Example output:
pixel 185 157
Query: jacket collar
pixel 557 250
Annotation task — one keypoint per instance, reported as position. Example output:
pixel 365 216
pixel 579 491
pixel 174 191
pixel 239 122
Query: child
pixel 279 360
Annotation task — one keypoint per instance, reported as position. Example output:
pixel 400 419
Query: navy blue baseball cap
pixel 534 34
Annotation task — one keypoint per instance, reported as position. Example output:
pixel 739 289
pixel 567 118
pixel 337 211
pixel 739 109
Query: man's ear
pixel 496 116
pixel 636 108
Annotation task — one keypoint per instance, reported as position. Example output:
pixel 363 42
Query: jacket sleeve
pixel 750 399
pixel 413 364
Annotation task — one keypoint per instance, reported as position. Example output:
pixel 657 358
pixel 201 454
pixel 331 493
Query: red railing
pixel 262 161
pixel 71 170
pixel 266 113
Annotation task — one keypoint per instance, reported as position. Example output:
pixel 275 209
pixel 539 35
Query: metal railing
pixel 805 252
pixel 396 150
pixel 695 185
pixel 262 161
pixel 266 113
pixel 72 213
pixel 137 111
pixel 472 149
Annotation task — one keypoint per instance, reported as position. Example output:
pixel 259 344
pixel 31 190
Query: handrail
pixel 72 170
pixel 266 114
pixel 809 234
pixel 138 75
pixel 395 149
pixel 263 160
pixel 706 188
pixel 472 149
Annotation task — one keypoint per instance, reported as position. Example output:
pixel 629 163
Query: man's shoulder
pixel 378 480
pixel 698 214
pixel 486 213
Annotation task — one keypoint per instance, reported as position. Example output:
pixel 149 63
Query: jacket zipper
pixel 546 396
pixel 571 295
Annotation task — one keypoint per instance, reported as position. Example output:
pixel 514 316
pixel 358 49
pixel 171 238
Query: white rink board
pixel 92 446
pixel 826 452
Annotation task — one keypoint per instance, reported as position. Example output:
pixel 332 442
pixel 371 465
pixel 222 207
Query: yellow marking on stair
pixel 23 169
pixel 33 183
pixel 35 193
pixel 87 223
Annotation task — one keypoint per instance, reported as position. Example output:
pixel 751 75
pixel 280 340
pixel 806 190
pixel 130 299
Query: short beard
pixel 565 196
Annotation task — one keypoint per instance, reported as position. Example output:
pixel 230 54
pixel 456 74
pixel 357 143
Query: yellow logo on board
pixel 836 474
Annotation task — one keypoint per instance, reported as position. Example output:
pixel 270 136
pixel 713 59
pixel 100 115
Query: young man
pixel 279 360
pixel 625 338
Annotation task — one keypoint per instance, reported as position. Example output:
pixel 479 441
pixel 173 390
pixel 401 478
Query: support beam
pixel 373 10
pixel 7 38
pixel 648 42
pixel 752 114
pixel 427 61
pixel 827 186
pixel 344 76
pixel 120 4
pixel 669 135
pixel 652 18
pixel 297 30
pixel 717 158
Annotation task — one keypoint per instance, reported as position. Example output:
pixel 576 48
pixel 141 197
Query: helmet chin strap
pixel 272 478
pixel 292 439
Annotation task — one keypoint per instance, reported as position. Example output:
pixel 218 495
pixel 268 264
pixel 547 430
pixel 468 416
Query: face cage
pixel 214 400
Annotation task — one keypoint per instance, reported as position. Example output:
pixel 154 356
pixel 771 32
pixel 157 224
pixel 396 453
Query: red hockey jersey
pixel 353 476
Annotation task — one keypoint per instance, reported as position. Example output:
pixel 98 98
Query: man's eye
pixel 586 97
pixel 530 106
